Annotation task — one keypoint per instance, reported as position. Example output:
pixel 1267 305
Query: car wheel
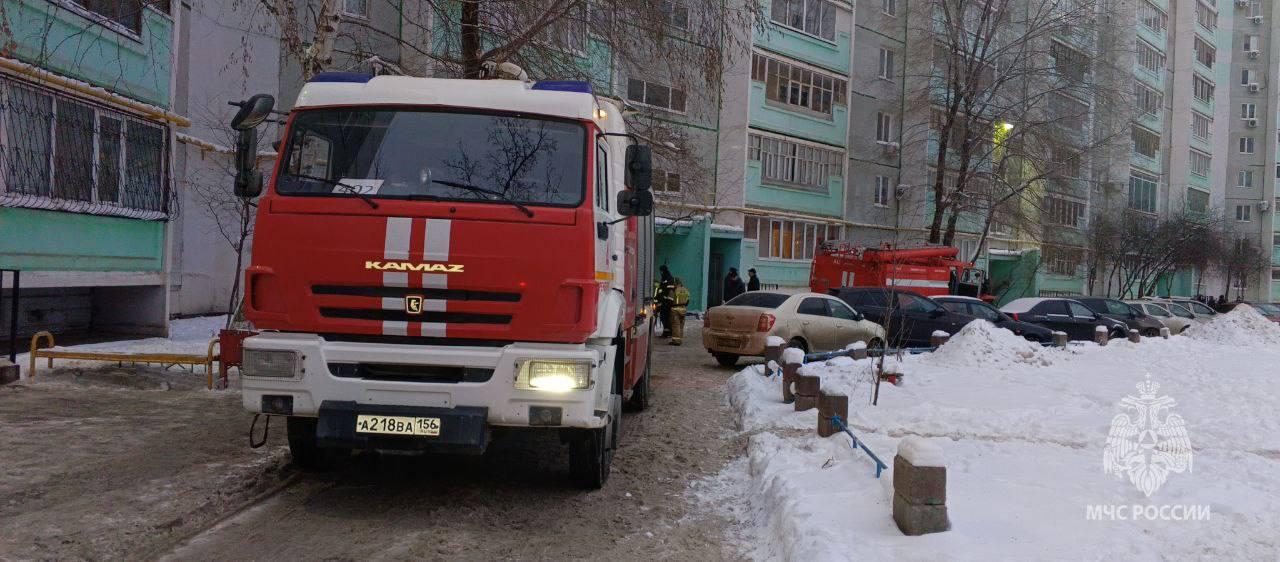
pixel 1184 330
pixel 800 343
pixel 875 343
pixel 1151 333
pixel 726 359
pixel 307 455
pixel 1118 334
pixel 1033 338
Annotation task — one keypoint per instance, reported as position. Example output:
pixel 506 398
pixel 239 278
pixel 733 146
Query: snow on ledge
pixel 792 355
pixel 773 341
pixel 940 334
pixel 856 346
pixel 921 452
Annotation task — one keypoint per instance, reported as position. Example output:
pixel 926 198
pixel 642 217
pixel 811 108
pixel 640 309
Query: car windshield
pixel 1267 308
pixel 983 311
pixel 1178 310
pixel 396 153
pixel 1156 310
pixel 1198 307
pixel 758 299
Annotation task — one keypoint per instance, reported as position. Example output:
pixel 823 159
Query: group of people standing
pixel 1211 302
pixel 673 298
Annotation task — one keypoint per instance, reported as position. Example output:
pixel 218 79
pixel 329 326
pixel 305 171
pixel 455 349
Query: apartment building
pixel 85 185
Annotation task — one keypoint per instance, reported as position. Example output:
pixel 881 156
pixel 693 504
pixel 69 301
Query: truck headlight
pixel 269 363
pixel 554 376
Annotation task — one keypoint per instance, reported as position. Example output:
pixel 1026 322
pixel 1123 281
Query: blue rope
pixel 880 466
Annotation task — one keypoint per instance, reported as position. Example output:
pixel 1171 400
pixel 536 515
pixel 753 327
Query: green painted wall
pixel 683 250
pixel 34 240
pixel 762 195
pixel 51 36
pixel 793 274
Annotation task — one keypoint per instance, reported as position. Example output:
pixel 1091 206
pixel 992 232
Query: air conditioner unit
pixel 1242 3
pixel 890 147
pixel 1264 206
pixel 1256 19
pixel 1253 87
pixel 1250 122
pixel 1253 53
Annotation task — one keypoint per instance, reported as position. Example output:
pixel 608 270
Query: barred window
pixel 1061 261
pixel 1070 63
pixel 1142 191
pixel 786 239
pixel 794 85
pixel 1063 212
pixel 1150 57
pixel 1147 100
pixel 794 164
pixel 62 154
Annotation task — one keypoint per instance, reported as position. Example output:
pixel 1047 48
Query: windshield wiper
pixel 478 189
pixel 347 188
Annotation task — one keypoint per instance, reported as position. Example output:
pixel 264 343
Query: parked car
pixel 810 321
pixel 1201 311
pixel 1269 310
pixel 909 318
pixel 1175 323
pixel 978 308
pixel 1063 315
pixel 1136 319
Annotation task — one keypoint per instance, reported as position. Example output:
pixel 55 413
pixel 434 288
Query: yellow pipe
pixel 50 78
pixel 35 341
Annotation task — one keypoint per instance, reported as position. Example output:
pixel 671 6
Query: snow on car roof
pixel 1022 305
pixel 956 298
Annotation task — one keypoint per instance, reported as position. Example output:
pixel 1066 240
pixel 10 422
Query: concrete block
pixel 1060 339
pixel 807 389
pixel 1134 336
pixel 938 337
pixel 1100 335
pixel 830 405
pixel 789 373
pixel 923 485
pixel 915 519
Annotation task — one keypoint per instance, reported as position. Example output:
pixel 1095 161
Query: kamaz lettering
pixel 408 266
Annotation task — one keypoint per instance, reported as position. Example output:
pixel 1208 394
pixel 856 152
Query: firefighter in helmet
pixel 679 306
pixel 665 295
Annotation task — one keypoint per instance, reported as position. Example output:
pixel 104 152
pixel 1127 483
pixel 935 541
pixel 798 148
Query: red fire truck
pixel 929 271
pixel 438 259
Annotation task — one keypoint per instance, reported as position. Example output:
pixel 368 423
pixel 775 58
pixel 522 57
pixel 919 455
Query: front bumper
pixel 503 404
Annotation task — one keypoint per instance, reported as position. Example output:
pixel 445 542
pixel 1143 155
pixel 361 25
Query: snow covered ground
pixel 1023 429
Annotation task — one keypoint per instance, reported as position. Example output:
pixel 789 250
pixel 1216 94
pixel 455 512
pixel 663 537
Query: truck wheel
pixel 302 446
pixel 639 401
pixel 726 359
pixel 591 452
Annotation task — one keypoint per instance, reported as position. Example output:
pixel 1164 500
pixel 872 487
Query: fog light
pixel 267 363
pixel 277 404
pixel 554 376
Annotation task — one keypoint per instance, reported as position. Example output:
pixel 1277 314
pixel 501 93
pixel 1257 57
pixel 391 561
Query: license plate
pixel 729 342
pixel 398 425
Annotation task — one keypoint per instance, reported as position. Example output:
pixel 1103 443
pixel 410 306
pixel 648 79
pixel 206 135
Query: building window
pixel 1142 191
pixel 1068 112
pixel 1248 111
pixel 1244 178
pixel 889 7
pixel 1147 100
pixel 665 182
pixel 1201 125
pixel 358 8
pixel 1150 57
pixel 678 15
pixel 785 239
pixel 1152 16
pixel 655 95
pixel 1202 89
pixel 61 154
pixel 123 13
pixel 886 63
pixel 1069 63
pixel 1197 200
pixel 881 195
pixel 1243 213
pixel 1061 261
pixel 1205 53
pixel 1145 141
pixel 1207 17
pixel 1066 162
pixel 1248 76
pixel 1063 212
pixel 1246 145
pixel 1252 43
pixel 884 127
pixel 1200 163
pixel 795 164
pixel 815 17
pixel 798 86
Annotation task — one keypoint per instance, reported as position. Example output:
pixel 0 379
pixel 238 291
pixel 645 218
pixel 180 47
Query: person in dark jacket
pixel 733 285
pixel 753 282
pixel 665 298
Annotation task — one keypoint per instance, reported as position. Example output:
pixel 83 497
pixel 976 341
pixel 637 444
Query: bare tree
pixel 1241 264
pixel 1009 95
pixel 1131 254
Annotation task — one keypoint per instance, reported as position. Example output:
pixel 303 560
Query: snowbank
pixel 1243 326
pixel 1022 429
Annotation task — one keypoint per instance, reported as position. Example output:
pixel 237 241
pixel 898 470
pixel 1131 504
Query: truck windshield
pixel 414 154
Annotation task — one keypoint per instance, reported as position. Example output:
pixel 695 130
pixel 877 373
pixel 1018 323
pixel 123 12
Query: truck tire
pixel 640 396
pixel 726 359
pixel 591 451
pixel 302 446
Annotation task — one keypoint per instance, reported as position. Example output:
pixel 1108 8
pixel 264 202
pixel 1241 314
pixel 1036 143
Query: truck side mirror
pixel 639 168
pixel 252 113
pixel 635 203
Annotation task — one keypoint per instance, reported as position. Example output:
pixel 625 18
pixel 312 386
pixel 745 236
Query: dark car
pixel 1063 315
pixel 909 319
pixel 984 310
pixel 1131 316
pixel 1270 311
